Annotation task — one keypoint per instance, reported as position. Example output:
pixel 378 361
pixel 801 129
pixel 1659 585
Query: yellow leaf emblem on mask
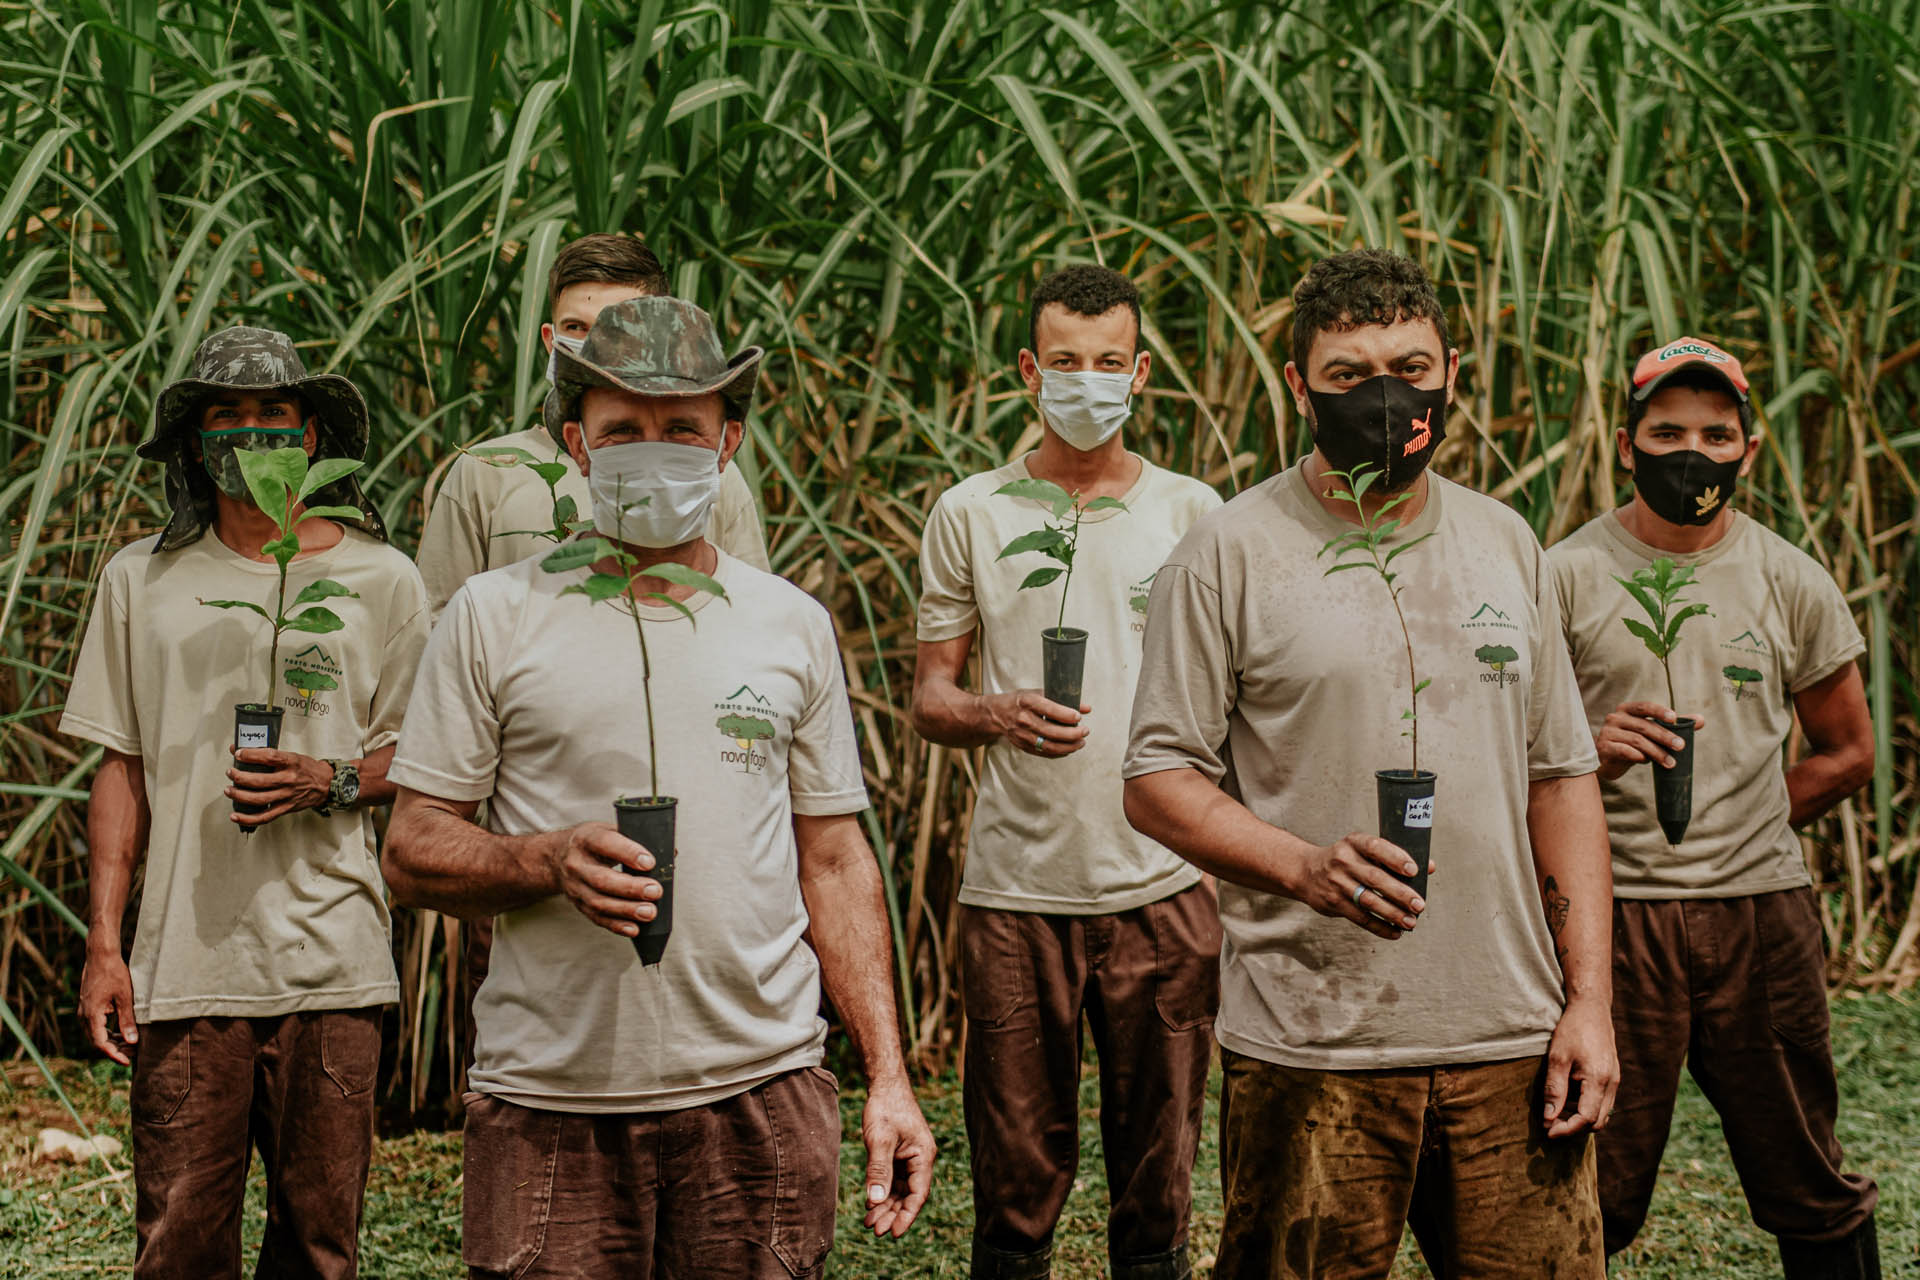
pixel 1708 500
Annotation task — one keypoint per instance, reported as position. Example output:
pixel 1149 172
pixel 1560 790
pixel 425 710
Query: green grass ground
pixel 63 1221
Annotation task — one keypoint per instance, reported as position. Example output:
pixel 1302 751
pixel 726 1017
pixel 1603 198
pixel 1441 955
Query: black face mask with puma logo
pixel 1685 486
pixel 1384 423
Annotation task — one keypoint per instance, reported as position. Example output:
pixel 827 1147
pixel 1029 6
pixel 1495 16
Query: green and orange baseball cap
pixel 1659 366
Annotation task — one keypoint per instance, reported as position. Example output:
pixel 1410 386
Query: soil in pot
pixel 1673 787
pixel 649 821
pixel 254 725
pixel 1406 817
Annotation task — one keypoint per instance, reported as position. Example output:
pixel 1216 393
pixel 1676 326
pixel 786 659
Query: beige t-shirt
pixel 486 516
pixel 1286 687
pixel 533 701
pixel 1779 625
pixel 1050 835
pixel 294 916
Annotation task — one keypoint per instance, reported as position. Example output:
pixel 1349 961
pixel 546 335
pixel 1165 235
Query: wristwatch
pixel 343 792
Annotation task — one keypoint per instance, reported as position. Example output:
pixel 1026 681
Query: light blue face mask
pixel 220 453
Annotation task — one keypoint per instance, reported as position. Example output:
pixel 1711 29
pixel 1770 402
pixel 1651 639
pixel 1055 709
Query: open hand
pixel 1330 880
pixel 597 868
pixel 297 782
pixel 899 1157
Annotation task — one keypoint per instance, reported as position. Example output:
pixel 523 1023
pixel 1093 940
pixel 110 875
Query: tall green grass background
pixel 870 190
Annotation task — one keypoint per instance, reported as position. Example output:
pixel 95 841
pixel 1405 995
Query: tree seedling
pixel 566 512
pixel 1366 548
pixel 1656 588
pixel 280 480
pixel 1057 538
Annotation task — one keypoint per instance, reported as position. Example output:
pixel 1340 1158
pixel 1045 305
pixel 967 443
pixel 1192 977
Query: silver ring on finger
pixel 1039 741
pixel 1359 891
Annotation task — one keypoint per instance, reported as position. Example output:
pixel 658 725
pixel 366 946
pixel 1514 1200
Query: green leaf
pixel 1422 686
pixel 551 472
pixel 578 554
pixel 1409 545
pixel 314 620
pixel 283 550
pixel 1103 504
pixel 1047 539
pixel 324 472
pixel 1038 490
pixel 333 513
pixel 1347 564
pixel 1643 594
pixel 1041 577
pixel 565 511
pixel 1673 626
pixel 681 576
pixel 311 681
pixel 1647 637
pixel 599 587
pixel 270 476
pixel 237 604
pixel 323 589
pixel 671 603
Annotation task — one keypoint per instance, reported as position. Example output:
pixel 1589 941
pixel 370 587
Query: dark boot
pixel 990 1263
pixel 1853 1257
pixel 1173 1265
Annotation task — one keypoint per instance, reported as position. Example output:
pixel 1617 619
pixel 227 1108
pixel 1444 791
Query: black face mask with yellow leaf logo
pixel 1684 486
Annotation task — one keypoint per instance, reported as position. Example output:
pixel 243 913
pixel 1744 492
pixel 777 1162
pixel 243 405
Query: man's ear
pixel 1753 451
pixel 1297 384
pixel 733 434
pixel 309 435
pixel 1142 366
pixel 576 442
pixel 1030 371
pixel 1453 373
pixel 1623 445
pixel 546 333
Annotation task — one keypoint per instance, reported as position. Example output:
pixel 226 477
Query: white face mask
pixel 653 495
pixel 572 346
pixel 1085 409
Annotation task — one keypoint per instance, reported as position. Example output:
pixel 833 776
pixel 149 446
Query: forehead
pixel 1373 344
pixel 1691 407
pixel 1057 328
pixel 606 406
pixel 240 399
pixel 589 298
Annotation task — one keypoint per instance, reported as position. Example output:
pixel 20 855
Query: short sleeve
pixel 100 706
pixel 453 546
pixel 1825 636
pixel 948 607
pixel 823 762
pixel 1188 684
pixel 406 638
pixel 1559 741
pixel 450 738
pixel 735 527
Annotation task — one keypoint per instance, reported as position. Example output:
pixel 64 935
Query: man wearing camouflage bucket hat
pixel 588 1063
pixel 250 1008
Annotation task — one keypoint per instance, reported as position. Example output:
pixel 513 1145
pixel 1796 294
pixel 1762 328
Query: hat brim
pixel 573 376
pixel 335 401
pixel 1704 366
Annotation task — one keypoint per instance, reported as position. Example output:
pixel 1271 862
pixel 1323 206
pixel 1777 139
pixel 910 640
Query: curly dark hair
pixel 1085 290
pixel 1362 286
pixel 1700 380
pixel 603 258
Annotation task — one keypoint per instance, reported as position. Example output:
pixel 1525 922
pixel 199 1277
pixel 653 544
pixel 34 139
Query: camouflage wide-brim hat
pixel 247 359
pixel 655 347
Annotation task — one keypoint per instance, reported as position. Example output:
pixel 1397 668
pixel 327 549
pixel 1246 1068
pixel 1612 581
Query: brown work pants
pixel 207 1090
pixel 1147 981
pixel 743 1188
pixel 1322 1170
pixel 1736 989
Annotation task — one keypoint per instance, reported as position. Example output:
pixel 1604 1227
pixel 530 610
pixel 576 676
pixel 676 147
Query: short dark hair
pixel 1362 286
pixel 1697 379
pixel 1085 290
pixel 604 258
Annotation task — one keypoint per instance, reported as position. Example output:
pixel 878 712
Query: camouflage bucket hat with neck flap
pixel 248 359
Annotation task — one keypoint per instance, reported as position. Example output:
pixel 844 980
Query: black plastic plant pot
pixel 1673 787
pixel 254 725
pixel 648 821
pixel 1064 664
pixel 1406 818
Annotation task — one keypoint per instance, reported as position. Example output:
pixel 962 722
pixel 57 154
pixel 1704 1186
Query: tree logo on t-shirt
pixel 1498 656
pixel 1740 677
pixel 1137 598
pixel 746 719
pixel 307 673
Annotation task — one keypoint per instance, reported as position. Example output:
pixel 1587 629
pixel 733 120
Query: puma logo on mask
pixel 1421 434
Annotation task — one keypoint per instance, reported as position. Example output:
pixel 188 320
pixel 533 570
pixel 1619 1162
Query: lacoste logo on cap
pixel 1692 349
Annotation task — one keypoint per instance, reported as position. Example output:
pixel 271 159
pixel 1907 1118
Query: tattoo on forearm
pixel 1558 905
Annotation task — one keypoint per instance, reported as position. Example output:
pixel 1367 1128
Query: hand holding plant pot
pixel 1656 588
pixel 1063 648
pixel 647 820
pixel 279 480
pixel 1405 796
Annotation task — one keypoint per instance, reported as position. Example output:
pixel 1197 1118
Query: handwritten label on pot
pixel 1420 811
pixel 250 735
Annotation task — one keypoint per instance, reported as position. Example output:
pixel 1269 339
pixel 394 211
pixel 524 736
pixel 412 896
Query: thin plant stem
pixel 1666 667
pixel 646 695
pixel 280 610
